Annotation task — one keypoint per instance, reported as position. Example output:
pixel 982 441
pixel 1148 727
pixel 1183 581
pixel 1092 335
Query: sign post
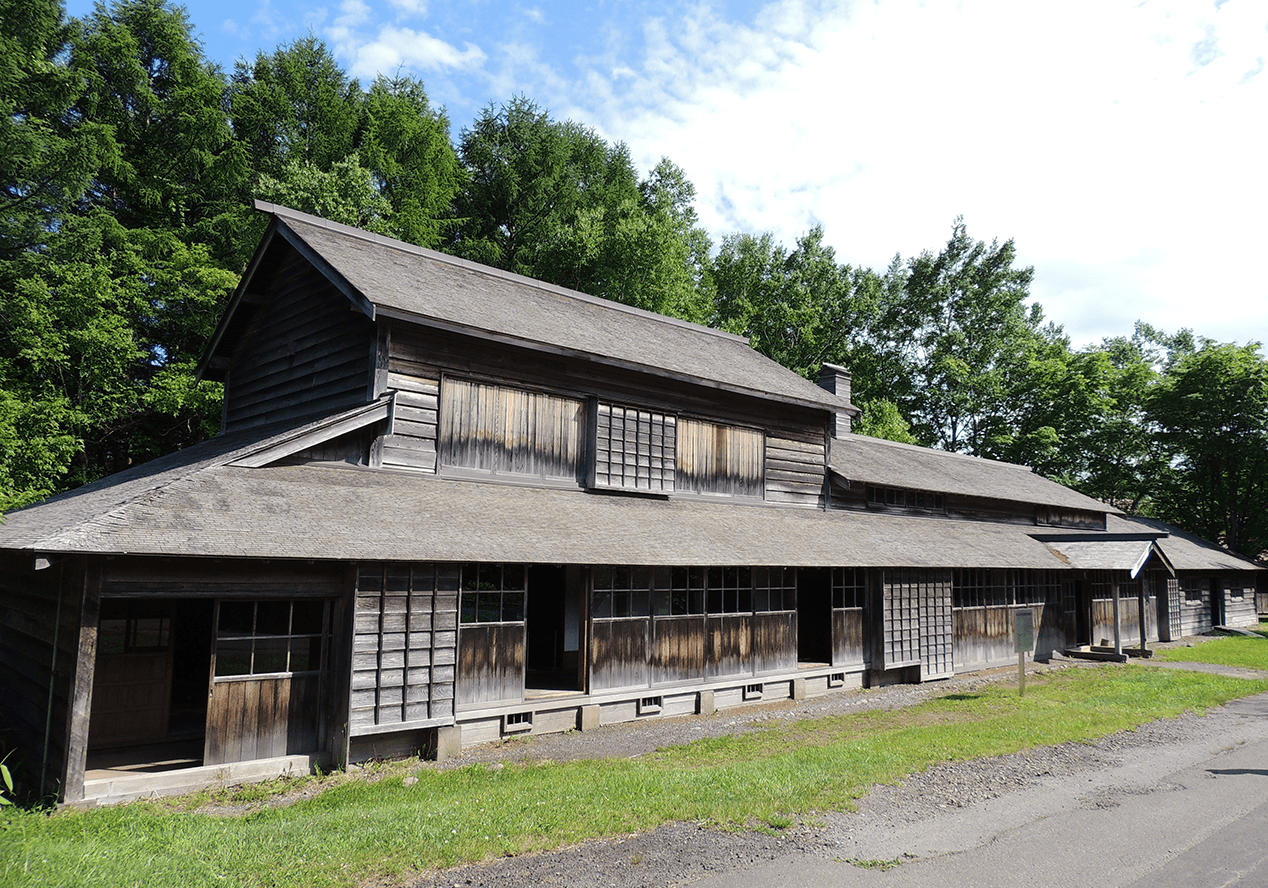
pixel 1025 617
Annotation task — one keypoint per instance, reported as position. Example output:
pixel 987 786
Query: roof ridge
pixel 458 262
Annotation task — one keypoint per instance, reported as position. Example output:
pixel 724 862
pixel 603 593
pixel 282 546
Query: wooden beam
pixel 79 711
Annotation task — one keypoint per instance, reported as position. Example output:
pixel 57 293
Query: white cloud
pixel 1093 133
pixel 395 48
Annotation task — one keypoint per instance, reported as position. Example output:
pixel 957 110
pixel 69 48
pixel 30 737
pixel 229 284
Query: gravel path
pixel 681 853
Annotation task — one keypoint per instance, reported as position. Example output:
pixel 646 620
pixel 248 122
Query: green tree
pixel 346 193
pixel 1211 411
pixel 882 419
pixel 48 153
pixel 553 200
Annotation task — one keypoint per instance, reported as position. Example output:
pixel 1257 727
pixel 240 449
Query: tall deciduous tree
pixel 1211 410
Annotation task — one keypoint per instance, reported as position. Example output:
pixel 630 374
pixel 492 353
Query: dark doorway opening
pixel 1082 614
pixel 814 615
pixel 1217 603
pixel 149 702
pixel 554 630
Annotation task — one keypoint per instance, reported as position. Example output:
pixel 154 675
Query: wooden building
pixel 451 504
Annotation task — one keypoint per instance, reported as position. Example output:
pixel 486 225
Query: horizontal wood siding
pixel 490 663
pixel 501 430
pixel 174 578
pixel 412 444
pixel 405 637
pixel 728 645
pixel 619 654
pixel 677 648
pixel 847 637
pixel 307 354
pixel 262 718
pixel 1239 602
pixel 795 469
pixel 774 641
pixel 29 623
pixel 718 459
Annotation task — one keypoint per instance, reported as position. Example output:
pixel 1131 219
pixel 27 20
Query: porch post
pixel 1118 622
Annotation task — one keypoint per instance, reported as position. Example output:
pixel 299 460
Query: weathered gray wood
pixel 677 648
pixel 88 598
pixel 847 637
pixel 490 663
pixel 619 654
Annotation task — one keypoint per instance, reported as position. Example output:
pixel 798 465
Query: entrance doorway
pixel 149 701
pixel 1217 603
pixel 555 636
pixel 814 615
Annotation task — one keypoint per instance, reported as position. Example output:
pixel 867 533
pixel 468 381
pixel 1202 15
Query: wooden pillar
pixel 1118 620
pixel 80 709
pixel 1144 624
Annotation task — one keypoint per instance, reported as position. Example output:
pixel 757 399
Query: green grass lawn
pixel 1230 650
pixel 359 830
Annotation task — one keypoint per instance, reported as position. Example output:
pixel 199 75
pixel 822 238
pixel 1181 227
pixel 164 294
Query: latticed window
pixel 849 587
pixel 269 637
pixel 492 593
pixel 904 498
pixel 634 449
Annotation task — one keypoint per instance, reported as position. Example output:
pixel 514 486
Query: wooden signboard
pixel 1025 617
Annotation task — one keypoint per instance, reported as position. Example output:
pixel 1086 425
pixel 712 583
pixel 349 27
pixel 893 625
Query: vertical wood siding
pixel 619 654
pixel 404 650
pixel 634 449
pixel 307 354
pixel 847 637
pixel 262 718
pixel 501 430
pixel 774 637
pixel 677 648
pixel 412 444
pixel 1128 611
pixel 794 470
pixel 490 663
pixel 728 645
pixel 719 459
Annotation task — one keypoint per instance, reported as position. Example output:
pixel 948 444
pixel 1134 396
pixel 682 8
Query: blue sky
pixel 1121 144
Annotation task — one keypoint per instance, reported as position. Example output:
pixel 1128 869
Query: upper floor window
pixel 721 460
pixel 502 430
pixel 904 498
pixel 634 449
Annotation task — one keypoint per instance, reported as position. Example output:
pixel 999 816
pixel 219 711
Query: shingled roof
pixel 391 278
pixel 875 461
pixel 1184 550
pixel 198 503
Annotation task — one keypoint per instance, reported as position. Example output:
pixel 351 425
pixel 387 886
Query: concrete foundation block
pixel 705 705
pixel 799 689
pixel 448 742
pixel 588 718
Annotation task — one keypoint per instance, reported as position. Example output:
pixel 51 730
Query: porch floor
pixel 149 758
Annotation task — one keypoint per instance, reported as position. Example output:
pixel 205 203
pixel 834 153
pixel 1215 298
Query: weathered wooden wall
pixel 847 637
pixel 490 663
pixel 307 353
pixel 719 459
pixel 619 653
pixel 678 648
pixel 254 718
pixel 1129 616
pixel 404 649
pixel 39 647
pixel 774 642
pixel 795 468
pixel 412 444
pixel 1239 600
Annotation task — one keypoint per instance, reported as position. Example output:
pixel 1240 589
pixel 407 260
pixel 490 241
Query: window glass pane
pixel 695 577
pixel 470 577
pixel 233 657
pixel 661 603
pixel 305 654
pixel 489 607
pixel 111 636
pixel 715 599
pixel 761 600
pixel 744 578
pixel 642 577
pixel 513 577
pixel 662 578
pixel 512 607
pixel 603 577
pixel 697 601
pixel 468 607
pixel 620 604
pixel 678 578
pixel 273 618
pixel 150 633
pixel 621 577
pixel 307 617
pixel 715 578
pixel 679 602
pixel 602 605
pixel 270 655
pixel 640 603
pixel 744 601
pixel 236 618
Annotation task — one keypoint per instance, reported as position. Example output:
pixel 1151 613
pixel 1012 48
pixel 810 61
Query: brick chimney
pixel 837 380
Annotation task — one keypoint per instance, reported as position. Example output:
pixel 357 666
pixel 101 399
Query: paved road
pixel 1192 814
